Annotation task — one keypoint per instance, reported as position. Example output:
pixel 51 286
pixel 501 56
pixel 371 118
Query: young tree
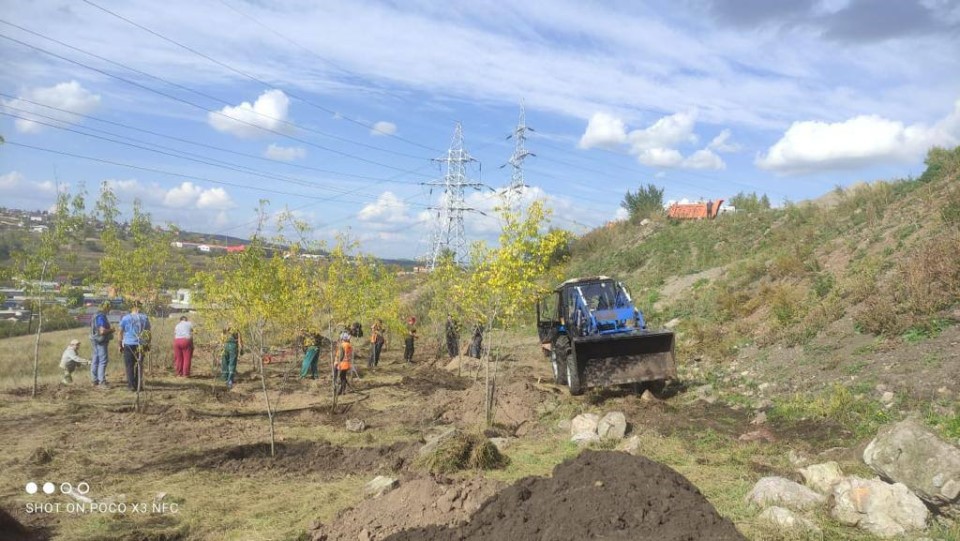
pixel 268 295
pixel 506 280
pixel 145 262
pixel 647 201
pixel 43 260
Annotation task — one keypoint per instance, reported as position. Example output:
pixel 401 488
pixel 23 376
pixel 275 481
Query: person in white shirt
pixel 182 347
pixel 69 361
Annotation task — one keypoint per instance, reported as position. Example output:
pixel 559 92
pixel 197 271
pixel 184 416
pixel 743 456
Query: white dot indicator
pixel 66 488
pixel 49 488
pixel 83 487
pixel 31 488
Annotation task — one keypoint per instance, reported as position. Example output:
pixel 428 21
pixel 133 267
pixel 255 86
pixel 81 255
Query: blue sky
pixel 335 109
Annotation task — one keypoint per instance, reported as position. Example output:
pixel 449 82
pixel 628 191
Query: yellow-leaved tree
pixel 267 293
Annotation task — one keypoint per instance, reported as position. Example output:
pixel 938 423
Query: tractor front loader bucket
pixel 625 358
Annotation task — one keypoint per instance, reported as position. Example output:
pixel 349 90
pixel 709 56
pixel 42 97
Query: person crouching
pixel 69 361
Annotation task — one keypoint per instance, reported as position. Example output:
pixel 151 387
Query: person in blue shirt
pixel 100 335
pixel 135 331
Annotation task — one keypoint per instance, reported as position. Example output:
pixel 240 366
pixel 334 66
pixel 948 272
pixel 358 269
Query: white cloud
pixel 660 157
pixel 183 196
pixel 703 159
pixel 667 132
pixel 388 208
pixel 721 143
pixel 214 199
pixel 814 145
pixel 10 180
pixel 70 96
pixel 284 154
pixel 268 113
pixel 383 128
pixel 603 131
pixel 657 145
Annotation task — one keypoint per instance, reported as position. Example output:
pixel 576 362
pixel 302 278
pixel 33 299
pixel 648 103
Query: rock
pixel 797 459
pixel 647 396
pixel 584 439
pixel 822 477
pixel 706 393
pixel 759 419
pixel 763 405
pixel 585 422
pixel 500 443
pixel 379 486
pixel 672 324
pixel 435 440
pixel 761 434
pixel 364 535
pixel 911 454
pixel 785 519
pixel 780 491
pixel 887 397
pixel 882 509
pixel 355 425
pixel 613 426
pixel 630 445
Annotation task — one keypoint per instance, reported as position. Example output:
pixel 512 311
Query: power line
pixel 192 104
pixel 32 115
pixel 240 72
pixel 162 171
pixel 208 96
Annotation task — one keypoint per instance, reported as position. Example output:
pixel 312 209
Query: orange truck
pixel 694 211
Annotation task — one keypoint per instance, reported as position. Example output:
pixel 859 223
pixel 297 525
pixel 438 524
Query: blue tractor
pixel 595 336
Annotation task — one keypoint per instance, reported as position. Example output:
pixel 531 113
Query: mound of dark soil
pixel 428 382
pixel 11 529
pixel 599 494
pixel 305 457
pixel 415 503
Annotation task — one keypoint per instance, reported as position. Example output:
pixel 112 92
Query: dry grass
pixel 16 356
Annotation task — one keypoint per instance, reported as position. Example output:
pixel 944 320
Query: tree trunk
pixel 36 344
pixel 266 396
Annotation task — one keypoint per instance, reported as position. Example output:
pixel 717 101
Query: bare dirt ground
pixel 204 450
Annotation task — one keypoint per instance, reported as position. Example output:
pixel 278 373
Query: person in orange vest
pixel 344 363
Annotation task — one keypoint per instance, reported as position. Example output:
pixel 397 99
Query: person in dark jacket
pixel 453 337
pixel 476 343
pixel 409 345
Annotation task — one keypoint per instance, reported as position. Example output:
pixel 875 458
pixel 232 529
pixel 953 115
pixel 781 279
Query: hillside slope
pixel 858 292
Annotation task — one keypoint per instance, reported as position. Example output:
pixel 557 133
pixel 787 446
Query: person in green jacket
pixel 310 359
pixel 232 347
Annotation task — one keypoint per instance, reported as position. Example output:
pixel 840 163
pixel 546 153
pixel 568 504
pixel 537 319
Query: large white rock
pixel 613 426
pixel 585 422
pixel 784 492
pixel 822 477
pixel 379 486
pixel 882 509
pixel 785 519
pixel 909 453
pixel 584 439
pixel 630 445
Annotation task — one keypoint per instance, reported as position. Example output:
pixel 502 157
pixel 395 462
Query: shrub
pixel 647 201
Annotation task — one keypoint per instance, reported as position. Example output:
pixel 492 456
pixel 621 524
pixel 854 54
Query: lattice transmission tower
pixel 519 135
pixel 448 233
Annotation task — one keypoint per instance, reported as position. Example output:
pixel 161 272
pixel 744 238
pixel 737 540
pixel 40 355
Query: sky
pixel 342 111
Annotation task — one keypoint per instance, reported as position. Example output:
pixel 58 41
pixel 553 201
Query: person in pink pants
pixel 182 347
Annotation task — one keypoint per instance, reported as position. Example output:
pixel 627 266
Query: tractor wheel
pixel 558 359
pixel 573 376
